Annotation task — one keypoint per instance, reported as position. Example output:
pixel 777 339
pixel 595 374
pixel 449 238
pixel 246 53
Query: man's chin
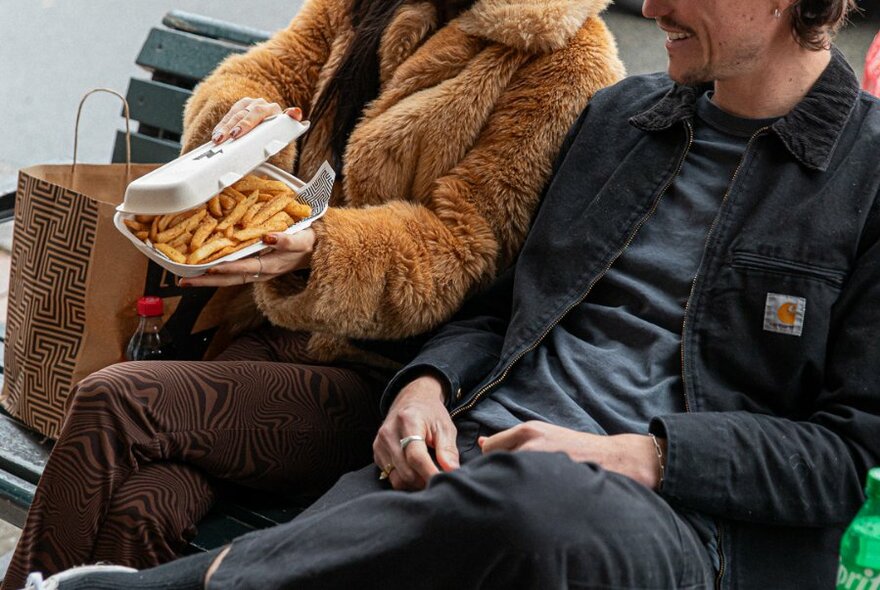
pixel 689 77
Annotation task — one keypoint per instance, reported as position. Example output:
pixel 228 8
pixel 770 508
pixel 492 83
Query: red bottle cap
pixel 150 306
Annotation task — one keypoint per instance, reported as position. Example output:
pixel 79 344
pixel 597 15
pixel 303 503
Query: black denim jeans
pixel 521 520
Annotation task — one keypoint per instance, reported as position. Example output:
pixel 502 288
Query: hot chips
pixel 236 218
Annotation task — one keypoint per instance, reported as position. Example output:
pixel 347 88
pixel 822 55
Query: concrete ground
pixel 54 52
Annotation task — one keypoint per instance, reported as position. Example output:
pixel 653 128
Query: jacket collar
pixel 810 131
pixel 529 25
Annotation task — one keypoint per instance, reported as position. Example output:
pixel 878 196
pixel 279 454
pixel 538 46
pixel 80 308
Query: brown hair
pixel 815 22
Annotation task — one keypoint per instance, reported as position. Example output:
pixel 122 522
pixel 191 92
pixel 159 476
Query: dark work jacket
pixel 779 429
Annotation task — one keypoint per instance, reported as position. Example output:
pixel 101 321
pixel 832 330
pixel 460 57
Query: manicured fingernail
pixel 235 131
pixel 297 113
pixel 270 239
pixel 216 137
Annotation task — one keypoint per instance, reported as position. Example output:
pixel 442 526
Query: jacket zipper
pixel 648 215
pixel 687 305
pixel 761 262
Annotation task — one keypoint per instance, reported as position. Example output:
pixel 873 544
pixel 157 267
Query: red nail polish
pixel 235 132
pixel 270 239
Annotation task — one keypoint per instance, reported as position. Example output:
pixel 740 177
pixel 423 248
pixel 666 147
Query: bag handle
pixel 127 128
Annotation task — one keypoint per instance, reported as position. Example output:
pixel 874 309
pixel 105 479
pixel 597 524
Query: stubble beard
pixel 740 62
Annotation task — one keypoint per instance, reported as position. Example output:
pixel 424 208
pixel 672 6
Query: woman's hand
pixel 247 114
pixel 418 410
pixel 289 252
pixel 632 455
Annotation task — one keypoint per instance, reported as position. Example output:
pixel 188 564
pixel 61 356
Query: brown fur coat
pixel 445 170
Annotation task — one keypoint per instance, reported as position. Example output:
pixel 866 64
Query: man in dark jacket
pixel 677 386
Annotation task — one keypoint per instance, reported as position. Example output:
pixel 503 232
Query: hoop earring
pixel 777 13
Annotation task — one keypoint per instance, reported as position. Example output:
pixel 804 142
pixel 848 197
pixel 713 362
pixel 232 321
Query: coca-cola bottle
pixel 150 342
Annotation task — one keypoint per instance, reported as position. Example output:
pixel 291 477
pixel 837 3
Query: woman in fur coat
pixel 444 118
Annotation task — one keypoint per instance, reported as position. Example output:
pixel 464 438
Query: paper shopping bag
pixel 74 286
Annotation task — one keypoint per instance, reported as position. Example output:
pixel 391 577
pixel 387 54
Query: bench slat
pixel 218 529
pixel 183 54
pixel 16 496
pixel 157 104
pixel 144 149
pixel 23 453
pixel 216 29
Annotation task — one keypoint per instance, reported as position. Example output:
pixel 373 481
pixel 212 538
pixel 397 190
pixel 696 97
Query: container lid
pixel 195 177
pixel 872 489
pixel 150 306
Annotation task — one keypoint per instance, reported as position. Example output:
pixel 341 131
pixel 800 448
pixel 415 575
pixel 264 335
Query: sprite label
pixel 860 547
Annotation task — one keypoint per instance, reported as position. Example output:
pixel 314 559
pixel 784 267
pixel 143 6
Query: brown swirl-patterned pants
pixel 130 474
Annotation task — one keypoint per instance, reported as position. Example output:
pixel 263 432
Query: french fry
pixel 226 202
pixel 214 206
pixel 269 209
pixel 298 210
pixel 146 219
pixel 259 231
pixel 170 233
pixel 239 211
pixel 143 235
pixel 251 182
pixel 164 222
pixel 199 254
pixel 134 226
pixel 186 215
pixel 181 242
pixel 229 250
pixel 193 222
pixel 202 232
pixel 154 229
pixel 171 253
pixel 247 219
pixel 237 195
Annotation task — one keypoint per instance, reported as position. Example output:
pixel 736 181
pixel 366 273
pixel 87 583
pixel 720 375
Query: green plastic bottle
pixel 860 547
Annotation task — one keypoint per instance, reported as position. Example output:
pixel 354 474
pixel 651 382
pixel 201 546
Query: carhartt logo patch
pixel 784 314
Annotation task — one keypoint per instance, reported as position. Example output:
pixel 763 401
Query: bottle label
pixel 852 577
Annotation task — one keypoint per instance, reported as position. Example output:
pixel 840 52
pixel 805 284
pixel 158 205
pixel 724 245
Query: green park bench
pixel 178 55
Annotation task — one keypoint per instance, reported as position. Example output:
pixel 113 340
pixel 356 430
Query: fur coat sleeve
pixel 402 267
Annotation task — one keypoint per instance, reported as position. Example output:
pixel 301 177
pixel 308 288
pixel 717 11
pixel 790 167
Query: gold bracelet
pixel 659 460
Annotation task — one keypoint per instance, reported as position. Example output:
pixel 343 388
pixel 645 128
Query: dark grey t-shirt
pixel 614 361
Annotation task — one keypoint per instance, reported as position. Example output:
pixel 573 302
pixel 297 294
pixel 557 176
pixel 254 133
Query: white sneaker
pixel 35 580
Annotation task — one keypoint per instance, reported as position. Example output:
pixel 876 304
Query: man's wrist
pixel 427 385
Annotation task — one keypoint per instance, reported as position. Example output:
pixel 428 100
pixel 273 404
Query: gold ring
pixel 383 475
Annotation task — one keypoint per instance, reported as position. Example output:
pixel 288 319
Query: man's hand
pixel 632 455
pixel 419 409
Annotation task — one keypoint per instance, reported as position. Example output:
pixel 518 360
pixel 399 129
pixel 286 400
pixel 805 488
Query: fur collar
pixel 529 25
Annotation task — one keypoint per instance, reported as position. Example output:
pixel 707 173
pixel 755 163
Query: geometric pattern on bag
pixel 61 228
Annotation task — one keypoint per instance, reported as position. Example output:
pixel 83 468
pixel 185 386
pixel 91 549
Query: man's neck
pixel 774 90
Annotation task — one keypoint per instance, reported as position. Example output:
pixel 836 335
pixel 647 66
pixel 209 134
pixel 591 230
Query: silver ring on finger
pixel 406 440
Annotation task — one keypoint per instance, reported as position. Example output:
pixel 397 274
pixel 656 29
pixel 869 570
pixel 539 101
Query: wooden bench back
pixel 182 52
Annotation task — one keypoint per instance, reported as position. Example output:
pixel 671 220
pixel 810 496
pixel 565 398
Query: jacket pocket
pixel 762 332
pixel 750 260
